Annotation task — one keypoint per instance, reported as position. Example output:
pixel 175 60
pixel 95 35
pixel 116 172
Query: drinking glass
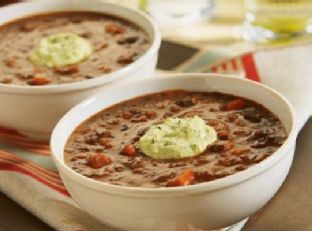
pixel 273 20
pixel 178 12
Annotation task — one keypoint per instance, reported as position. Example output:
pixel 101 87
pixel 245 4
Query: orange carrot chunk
pixel 105 143
pixel 98 160
pixel 185 178
pixel 126 115
pixel 129 150
pixel 236 104
pixel 38 81
pixel 113 28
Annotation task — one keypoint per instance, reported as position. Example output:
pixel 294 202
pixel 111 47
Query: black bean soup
pixel 105 147
pixel 115 41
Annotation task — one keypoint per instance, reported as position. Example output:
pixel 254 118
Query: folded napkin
pixel 28 176
pixel 287 70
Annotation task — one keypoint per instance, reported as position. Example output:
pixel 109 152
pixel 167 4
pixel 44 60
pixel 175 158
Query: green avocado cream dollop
pixel 61 49
pixel 177 138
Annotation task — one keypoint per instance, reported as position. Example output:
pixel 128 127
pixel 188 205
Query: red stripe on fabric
pixel 14 157
pixel 14 135
pixel 10 131
pixel 26 142
pixel 53 180
pixel 234 64
pixel 36 148
pixel 250 67
pixel 16 168
pixel 31 148
pixel 42 152
pixel 7 137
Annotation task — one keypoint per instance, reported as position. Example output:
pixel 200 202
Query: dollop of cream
pixel 61 49
pixel 177 138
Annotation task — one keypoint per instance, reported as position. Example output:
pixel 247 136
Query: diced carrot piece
pixel 127 115
pixel 11 62
pixel 27 27
pixel 67 70
pixel 129 150
pixel 223 135
pixel 126 58
pixel 38 81
pixel 237 152
pixel 6 80
pixel 105 143
pixel 151 114
pixel 98 160
pixel 234 105
pixel 185 178
pixel 113 28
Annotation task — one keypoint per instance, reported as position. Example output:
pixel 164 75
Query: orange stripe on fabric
pixel 16 168
pixel 234 64
pixel 13 135
pixel 14 157
pixel 42 152
pixel 30 148
pixel 250 67
pixel 214 69
pixel 224 66
pixel 31 168
pixel 24 141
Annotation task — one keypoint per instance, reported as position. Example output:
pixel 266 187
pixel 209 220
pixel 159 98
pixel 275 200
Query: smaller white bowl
pixel 209 205
pixel 34 110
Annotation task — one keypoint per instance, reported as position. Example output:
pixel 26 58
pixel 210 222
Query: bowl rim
pixel 101 79
pixel 204 187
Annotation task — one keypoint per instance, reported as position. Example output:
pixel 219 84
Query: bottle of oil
pixel 278 19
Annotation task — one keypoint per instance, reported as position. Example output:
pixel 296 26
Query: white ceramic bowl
pixel 214 204
pixel 33 110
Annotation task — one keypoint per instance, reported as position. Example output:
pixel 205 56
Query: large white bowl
pixel 34 110
pixel 214 204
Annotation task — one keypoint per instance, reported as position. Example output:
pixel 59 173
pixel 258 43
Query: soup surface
pixel 115 43
pixel 106 146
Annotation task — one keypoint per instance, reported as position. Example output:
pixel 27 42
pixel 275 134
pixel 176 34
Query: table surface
pixel 289 210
